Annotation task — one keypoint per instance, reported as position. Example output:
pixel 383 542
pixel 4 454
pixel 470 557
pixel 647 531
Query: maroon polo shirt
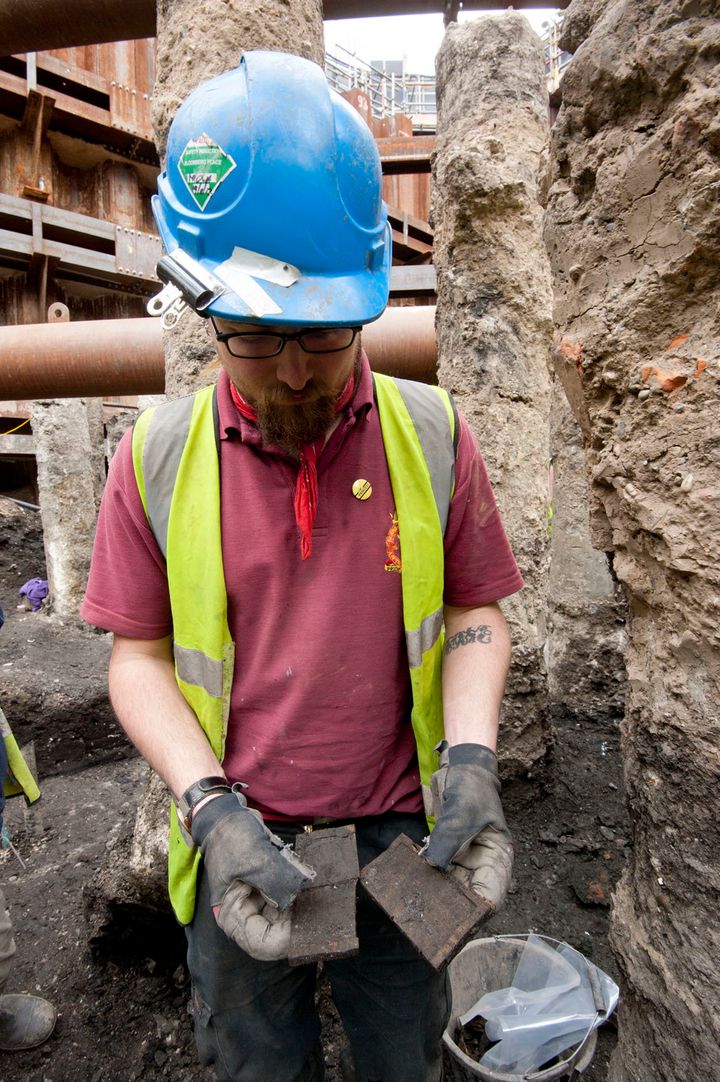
pixel 319 717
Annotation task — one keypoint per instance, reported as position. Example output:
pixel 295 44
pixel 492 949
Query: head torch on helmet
pixel 270 205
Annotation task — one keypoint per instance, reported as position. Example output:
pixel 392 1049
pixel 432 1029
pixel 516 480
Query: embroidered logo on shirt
pixel 392 546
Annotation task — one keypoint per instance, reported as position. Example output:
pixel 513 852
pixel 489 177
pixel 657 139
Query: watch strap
pixel 197 792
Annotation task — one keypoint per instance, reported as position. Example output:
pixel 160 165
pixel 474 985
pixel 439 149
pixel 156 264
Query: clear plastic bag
pixel 556 998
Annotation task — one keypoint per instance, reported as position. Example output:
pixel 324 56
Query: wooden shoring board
pixel 323 916
pixel 433 909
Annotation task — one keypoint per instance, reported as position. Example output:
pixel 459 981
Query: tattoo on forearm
pixel 481 633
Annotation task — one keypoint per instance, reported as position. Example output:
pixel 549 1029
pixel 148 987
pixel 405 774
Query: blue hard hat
pixel 273 184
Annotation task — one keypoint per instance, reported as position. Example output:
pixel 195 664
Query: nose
pixel 294 366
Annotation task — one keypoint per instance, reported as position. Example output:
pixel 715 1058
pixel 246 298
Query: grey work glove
pixel 253 877
pixel 470 833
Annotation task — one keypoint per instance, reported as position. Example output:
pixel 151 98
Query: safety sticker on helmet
pixel 204 165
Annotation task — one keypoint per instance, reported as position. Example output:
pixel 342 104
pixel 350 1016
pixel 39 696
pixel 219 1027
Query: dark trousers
pixel 257 1021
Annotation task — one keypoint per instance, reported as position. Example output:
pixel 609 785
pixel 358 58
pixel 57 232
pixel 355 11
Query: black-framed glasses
pixel 249 345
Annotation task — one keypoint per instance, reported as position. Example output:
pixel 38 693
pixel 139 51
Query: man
pixel 275 557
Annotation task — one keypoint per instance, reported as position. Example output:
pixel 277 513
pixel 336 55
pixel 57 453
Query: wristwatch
pixel 197 792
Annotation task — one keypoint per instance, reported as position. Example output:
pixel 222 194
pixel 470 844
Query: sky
pixel 416 38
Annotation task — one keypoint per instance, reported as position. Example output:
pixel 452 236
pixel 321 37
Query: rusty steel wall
pixel 131 63
pixel 411 191
pixel 77 177
pixel 125 71
pixel 92 88
pixel 61 114
pixel 19 302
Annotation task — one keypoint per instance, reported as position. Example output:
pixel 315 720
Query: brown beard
pixel 289 424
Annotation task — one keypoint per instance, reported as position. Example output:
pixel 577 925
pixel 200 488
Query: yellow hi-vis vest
pixel 176 462
pixel 19 779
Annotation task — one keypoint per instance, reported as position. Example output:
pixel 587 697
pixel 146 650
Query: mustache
pixel 314 390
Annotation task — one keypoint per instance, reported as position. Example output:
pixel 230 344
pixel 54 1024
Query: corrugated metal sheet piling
pixel 494 311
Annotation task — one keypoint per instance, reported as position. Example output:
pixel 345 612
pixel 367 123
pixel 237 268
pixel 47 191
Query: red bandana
pixel 306 486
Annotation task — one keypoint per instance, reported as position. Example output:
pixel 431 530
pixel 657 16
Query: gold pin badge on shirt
pixel 362 489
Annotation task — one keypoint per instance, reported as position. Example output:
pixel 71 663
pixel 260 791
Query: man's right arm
pixel 245 864
pixel 153 712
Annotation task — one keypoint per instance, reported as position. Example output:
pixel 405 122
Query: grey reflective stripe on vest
pixel 164 444
pixel 421 640
pixel 200 670
pixel 432 425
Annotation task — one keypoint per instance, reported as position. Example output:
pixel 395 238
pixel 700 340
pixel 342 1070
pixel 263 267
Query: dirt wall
pixel 587 639
pixel 634 239
pixel 494 312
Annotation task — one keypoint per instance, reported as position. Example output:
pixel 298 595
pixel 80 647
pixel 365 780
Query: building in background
pixel 391 89
pixel 388 86
pixel 556 59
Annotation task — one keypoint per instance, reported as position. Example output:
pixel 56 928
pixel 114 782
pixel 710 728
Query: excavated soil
pixel 122 998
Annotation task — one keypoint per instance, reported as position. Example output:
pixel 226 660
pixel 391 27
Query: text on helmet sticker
pixel 204 165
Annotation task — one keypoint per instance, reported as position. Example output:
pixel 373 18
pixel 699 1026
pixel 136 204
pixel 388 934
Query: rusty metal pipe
pixel 402 342
pixel 105 357
pixel 91 358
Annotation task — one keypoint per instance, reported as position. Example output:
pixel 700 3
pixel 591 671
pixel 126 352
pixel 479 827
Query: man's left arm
pixel 470 832
pixel 475 666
